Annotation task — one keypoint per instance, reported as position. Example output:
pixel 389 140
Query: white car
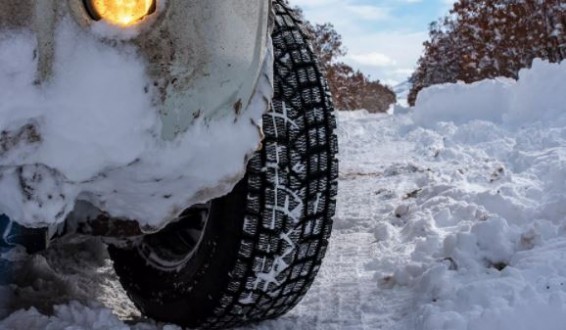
pixel 195 137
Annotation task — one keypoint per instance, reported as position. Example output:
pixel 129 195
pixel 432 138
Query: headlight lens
pixel 120 12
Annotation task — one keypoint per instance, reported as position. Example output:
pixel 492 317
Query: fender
pixel 197 80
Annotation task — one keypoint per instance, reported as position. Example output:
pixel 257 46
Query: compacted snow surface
pixel 451 216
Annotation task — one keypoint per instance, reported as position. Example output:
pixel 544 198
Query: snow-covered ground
pixel 451 216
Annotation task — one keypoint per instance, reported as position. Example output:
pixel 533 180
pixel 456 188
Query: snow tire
pixel 263 243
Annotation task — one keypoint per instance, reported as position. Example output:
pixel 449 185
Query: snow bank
pixel 93 133
pixel 538 95
pixel 485 220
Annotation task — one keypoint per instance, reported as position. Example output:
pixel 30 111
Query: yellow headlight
pixel 120 12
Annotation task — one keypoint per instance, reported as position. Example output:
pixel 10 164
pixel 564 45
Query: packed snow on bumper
pixel 92 133
pixel 451 216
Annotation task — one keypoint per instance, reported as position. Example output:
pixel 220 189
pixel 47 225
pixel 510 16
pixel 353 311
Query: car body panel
pixel 206 68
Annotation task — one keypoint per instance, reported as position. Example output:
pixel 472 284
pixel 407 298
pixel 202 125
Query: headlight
pixel 120 12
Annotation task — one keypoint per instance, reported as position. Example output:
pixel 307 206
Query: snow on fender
pixel 140 116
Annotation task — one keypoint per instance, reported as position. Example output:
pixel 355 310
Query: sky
pixel 383 37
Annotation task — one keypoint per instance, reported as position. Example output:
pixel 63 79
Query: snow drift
pixel 538 96
pixel 487 221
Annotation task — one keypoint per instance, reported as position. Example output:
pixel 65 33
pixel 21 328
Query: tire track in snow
pixel 346 295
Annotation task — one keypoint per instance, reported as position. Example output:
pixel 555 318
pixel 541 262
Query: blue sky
pixel 383 37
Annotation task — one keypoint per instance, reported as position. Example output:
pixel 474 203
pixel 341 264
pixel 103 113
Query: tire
pixel 262 245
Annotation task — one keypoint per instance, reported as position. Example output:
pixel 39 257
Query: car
pixel 195 138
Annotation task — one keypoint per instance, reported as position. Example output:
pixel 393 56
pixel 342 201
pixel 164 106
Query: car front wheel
pixel 253 254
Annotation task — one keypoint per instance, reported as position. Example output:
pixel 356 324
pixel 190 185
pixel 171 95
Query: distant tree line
pixel 351 89
pixel 483 39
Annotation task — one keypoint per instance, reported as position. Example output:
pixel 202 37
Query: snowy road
pixel 452 217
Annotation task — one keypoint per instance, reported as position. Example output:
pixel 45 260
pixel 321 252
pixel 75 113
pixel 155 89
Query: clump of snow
pixel 91 132
pixel 73 316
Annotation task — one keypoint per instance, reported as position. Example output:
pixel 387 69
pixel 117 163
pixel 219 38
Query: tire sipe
pixel 260 247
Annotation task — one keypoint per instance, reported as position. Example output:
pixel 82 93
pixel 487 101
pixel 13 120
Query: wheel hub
pixel 171 248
